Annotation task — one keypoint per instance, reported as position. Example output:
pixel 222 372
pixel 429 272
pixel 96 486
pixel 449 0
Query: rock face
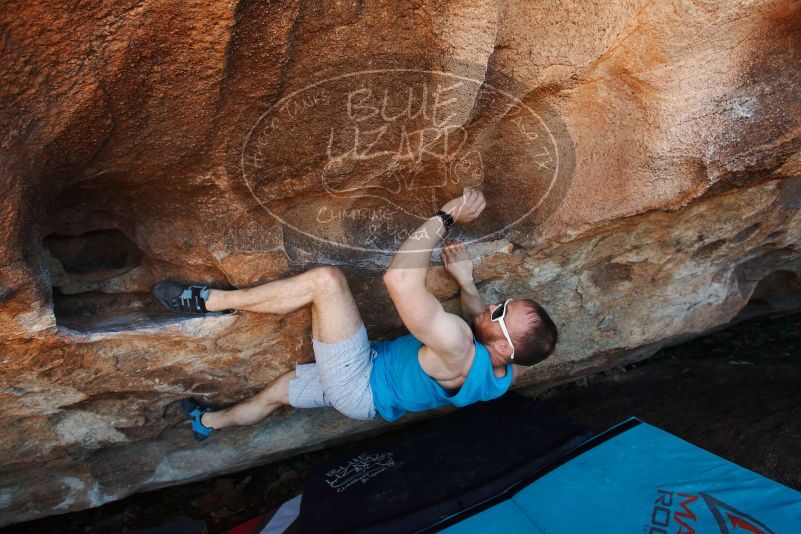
pixel 641 161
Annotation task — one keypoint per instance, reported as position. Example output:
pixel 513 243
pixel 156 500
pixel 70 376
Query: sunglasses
pixel 497 315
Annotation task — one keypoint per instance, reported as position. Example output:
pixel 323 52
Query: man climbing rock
pixel 444 359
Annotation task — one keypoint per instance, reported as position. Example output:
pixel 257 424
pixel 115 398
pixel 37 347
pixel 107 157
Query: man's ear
pixel 502 347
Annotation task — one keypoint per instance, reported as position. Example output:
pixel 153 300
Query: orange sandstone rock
pixel 641 161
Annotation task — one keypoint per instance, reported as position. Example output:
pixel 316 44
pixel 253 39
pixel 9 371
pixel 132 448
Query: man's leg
pixel 335 316
pixel 254 409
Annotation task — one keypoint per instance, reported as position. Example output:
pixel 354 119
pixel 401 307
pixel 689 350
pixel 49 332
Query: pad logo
pixel 360 469
pixel 675 513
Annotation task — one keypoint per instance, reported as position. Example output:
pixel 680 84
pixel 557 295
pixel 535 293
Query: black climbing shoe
pixel 194 412
pixel 182 298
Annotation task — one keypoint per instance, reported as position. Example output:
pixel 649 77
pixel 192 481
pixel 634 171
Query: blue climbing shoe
pixel 183 298
pixel 195 411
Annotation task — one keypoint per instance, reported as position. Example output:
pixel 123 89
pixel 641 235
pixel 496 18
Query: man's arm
pixel 445 333
pixel 471 301
pixel 459 265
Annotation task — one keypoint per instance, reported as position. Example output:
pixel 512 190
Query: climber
pixel 444 359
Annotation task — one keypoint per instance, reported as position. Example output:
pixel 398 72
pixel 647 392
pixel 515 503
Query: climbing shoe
pixel 194 412
pixel 183 298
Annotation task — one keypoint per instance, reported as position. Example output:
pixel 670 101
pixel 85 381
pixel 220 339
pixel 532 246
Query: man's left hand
pixel 467 207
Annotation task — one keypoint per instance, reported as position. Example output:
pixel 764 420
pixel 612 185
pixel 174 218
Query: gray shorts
pixel 340 378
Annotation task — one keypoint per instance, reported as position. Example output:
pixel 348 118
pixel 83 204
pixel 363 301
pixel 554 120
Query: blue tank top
pixel 401 385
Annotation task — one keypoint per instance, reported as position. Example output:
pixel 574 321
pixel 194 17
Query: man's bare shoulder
pixel 449 370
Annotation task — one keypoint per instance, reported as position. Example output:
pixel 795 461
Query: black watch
pixel 447 220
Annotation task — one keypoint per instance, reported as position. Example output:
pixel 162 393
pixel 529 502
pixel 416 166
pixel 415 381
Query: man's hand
pixel 457 261
pixel 467 207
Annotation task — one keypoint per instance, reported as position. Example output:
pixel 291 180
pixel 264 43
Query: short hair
pixel 538 341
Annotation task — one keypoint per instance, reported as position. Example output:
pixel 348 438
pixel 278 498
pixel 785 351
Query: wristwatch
pixel 447 220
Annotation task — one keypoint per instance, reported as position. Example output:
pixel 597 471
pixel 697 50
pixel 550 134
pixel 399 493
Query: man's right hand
pixel 457 261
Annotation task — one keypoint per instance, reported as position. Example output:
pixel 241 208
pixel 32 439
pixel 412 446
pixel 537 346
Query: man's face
pixel 489 332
